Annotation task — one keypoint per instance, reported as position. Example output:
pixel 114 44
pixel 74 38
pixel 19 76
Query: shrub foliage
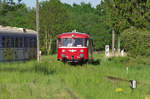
pixel 136 42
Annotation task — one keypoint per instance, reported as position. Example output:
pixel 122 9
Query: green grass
pixel 51 79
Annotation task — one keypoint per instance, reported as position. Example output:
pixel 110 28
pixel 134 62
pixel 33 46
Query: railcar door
pixel 90 49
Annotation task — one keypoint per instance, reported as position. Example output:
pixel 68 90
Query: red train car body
pixel 74 47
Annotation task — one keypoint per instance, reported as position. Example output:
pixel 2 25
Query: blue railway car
pixel 17 44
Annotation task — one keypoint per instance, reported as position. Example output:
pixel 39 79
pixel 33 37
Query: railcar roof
pixel 75 34
pixel 8 29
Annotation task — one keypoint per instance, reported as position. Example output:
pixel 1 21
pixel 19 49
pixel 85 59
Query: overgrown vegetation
pixel 121 15
pixel 136 42
pixel 51 79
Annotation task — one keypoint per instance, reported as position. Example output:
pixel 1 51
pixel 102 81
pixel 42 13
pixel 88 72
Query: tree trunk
pixel 4 1
pixel 119 43
pixel 46 42
pixel 49 45
pixel 37 29
pixel 113 41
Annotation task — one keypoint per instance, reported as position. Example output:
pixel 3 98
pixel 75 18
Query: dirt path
pixel 72 95
pixel 125 80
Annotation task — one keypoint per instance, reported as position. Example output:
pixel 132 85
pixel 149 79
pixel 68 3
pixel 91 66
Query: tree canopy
pixel 57 17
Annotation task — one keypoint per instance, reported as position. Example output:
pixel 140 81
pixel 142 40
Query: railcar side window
pixel 31 43
pixel 12 42
pixel 78 42
pixel 7 42
pixel 59 43
pixel 20 42
pixel 25 42
pixel 86 42
pixel 16 42
pixel 35 44
pixel 3 42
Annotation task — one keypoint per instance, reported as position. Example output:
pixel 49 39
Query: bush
pixel 119 59
pixel 141 60
pixel 44 68
pixel 136 42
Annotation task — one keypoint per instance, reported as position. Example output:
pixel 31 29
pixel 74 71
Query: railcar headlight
pixel 63 55
pixel 81 50
pixel 63 50
pixel 81 55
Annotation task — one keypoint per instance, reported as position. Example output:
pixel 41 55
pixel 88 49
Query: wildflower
pixel 147 97
pixel 118 90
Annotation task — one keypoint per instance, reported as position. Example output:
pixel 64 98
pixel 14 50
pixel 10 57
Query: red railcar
pixel 74 47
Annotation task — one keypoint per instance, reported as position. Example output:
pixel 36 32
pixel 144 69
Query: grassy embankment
pixel 51 79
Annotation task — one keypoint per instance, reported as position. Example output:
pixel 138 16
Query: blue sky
pixel 31 3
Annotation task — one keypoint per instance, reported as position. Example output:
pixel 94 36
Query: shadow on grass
pixel 44 68
pixel 12 69
pixel 92 62
pixel 95 62
pixel 76 64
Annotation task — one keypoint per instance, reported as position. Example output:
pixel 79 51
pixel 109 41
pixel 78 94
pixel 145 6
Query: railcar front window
pixel 78 42
pixel 67 42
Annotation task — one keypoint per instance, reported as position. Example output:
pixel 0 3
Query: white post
pixel 107 50
pixel 122 52
pixel 133 84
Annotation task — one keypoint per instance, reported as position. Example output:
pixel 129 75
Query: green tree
pixel 136 41
pixel 116 16
pixel 13 14
pixel 53 18
pixel 86 19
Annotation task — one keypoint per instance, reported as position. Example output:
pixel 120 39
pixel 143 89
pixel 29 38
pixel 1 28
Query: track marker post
pixel 132 84
pixel 127 68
